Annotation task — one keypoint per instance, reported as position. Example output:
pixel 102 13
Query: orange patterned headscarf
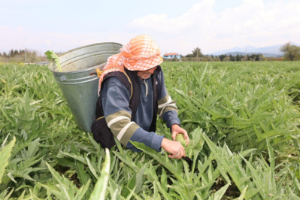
pixel 140 54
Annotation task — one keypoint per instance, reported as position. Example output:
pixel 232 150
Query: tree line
pixel 12 53
pixel 251 57
pixel 22 56
pixel 291 53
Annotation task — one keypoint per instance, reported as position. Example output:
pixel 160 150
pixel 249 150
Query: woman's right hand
pixel 174 148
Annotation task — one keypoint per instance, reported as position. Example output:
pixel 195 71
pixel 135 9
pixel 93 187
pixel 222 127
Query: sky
pixel 176 25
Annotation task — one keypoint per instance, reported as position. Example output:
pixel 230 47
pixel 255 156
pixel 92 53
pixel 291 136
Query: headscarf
pixel 140 54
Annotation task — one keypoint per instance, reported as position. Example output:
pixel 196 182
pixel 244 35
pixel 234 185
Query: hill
pixel 249 53
pixel 269 51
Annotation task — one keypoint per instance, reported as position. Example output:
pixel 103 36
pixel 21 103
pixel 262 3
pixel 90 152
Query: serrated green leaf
pixel 52 56
pixel 161 159
pixel 219 194
pixel 101 185
pixel 81 192
pixel 5 154
pixel 242 196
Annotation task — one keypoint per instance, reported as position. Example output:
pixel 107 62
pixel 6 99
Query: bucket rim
pixel 77 71
pixel 83 70
pixel 89 46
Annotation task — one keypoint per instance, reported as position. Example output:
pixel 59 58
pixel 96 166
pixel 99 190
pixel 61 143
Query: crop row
pixel 243 120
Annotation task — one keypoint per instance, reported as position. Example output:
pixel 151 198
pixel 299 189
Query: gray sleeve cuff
pixel 150 139
pixel 156 142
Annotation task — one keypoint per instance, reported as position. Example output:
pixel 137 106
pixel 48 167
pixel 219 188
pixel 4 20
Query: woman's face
pixel 146 74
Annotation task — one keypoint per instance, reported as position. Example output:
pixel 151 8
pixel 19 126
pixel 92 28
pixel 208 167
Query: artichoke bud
pixel 181 139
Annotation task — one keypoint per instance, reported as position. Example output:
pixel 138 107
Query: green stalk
pixel 52 56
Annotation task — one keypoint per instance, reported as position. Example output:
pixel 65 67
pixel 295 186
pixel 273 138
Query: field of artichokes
pixel 242 117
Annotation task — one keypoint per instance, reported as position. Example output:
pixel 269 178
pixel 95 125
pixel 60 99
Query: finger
pixel 173 156
pixel 186 137
pixel 174 136
pixel 183 153
pixel 178 154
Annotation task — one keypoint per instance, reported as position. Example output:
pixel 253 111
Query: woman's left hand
pixel 176 129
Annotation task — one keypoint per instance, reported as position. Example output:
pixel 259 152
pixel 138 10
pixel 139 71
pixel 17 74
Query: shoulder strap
pixel 124 78
pixel 127 82
pixel 131 86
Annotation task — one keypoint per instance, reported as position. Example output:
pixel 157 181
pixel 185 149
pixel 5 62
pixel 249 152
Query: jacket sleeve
pixel 115 102
pixel 167 109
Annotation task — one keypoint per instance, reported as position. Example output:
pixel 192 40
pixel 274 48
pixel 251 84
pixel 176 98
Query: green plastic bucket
pixel 78 81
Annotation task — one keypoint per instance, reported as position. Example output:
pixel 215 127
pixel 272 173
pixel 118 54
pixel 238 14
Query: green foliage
pixel 5 153
pixel 63 188
pixel 250 150
pixel 239 105
pixel 101 185
pixel 52 56
pixel 291 52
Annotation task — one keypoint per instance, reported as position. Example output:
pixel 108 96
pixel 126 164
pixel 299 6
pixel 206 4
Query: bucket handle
pixel 99 70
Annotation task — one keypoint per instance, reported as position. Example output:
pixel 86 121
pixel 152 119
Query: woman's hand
pixel 173 147
pixel 176 129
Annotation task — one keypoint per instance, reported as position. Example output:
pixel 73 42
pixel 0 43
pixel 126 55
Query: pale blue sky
pixel 177 26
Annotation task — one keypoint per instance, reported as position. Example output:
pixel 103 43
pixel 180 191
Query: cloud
pixel 199 14
pixel 252 23
pixel 162 23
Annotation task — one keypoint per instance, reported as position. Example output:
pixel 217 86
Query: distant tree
pixel 174 59
pixel 0 54
pixel 231 58
pixel 197 52
pixel 11 53
pixel 248 57
pixel 244 58
pixel 257 57
pixel 227 58
pixel 238 57
pixel 262 58
pixel 252 56
pixel 291 52
pixel 222 57
pixel 31 56
pixel 4 54
pixel 16 52
pixel 271 59
pixel 217 58
pixel 209 58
